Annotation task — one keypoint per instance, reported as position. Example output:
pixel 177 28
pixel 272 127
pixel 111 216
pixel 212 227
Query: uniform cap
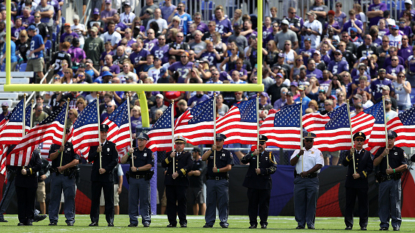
pixel 106 73
pixel 359 135
pixel 197 149
pixel 179 138
pixel 263 138
pixel 143 136
pixel 392 134
pixel 308 135
pixel 220 137
pixel 31 27
pixel 104 128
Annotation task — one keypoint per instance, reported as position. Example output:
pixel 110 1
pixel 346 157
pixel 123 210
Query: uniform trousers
pixel 361 194
pixel 390 203
pixel 58 184
pixel 108 188
pixel 305 200
pixel 258 200
pixel 26 197
pixel 217 194
pixel 9 191
pixel 139 193
pixel 175 193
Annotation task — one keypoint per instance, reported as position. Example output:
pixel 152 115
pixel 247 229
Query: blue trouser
pixel 305 200
pixel 390 203
pixel 139 190
pixel 217 194
pixel 9 192
pixel 58 184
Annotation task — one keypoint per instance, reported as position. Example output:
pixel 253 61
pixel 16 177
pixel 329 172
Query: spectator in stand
pixel 79 29
pixel 110 109
pixel 119 25
pixel 162 23
pixel 161 49
pixel 320 10
pixel 200 25
pixel 138 56
pixel 353 23
pixel 393 70
pixel 127 16
pixel 178 47
pixel 209 54
pixel 167 9
pixel 386 92
pixel 408 7
pixel 319 63
pixel 185 18
pixel 107 14
pixel 389 112
pixel 307 52
pixel 68 35
pixel 339 65
pixel 46 13
pixel 111 36
pixel 410 64
pixel 312 105
pixel 135 119
pixel 339 16
pixel 95 19
pixel 284 35
pixel 114 68
pixel 360 15
pixel 17 28
pixel 395 38
pixel 313 72
pixel 393 51
pixel 280 102
pixel 271 56
pixel 67 76
pixel 119 56
pixel 366 49
pixel 151 40
pixel 94 47
pixel 332 24
pixel 350 46
pixel 42 28
pixel 312 29
pixel 13 57
pixel 5 110
pixel 183 67
pixel 248 31
pixel 406 50
pixel 375 12
pixel 60 56
pixel 159 106
pixel 35 58
pixel 27 18
pixel 402 89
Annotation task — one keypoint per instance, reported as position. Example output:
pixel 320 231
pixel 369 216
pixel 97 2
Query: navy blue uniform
pixel 9 189
pixel 140 186
pixel 390 188
pixel 218 188
pixel 26 186
pixel 259 186
pixel 109 158
pixel 176 188
pixel 357 187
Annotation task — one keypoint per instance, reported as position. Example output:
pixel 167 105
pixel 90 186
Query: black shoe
pixel 183 225
pixel 171 225
pixel 207 226
pixel 383 229
pixel 53 224
pixel 300 227
pixel 311 228
pixel 93 224
pixel 252 226
pixel 69 224
pixel 132 225
pixel 39 218
pixel 29 224
pixel 348 228
pixel 146 224
pixel 110 224
pixel 224 225
pixel 263 226
pixel 20 224
pixel 3 220
pixel 396 228
pixel 363 228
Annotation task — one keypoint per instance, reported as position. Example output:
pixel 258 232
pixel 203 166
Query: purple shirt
pixel 202 27
pixel 316 73
pixel 29 20
pixel 388 61
pixel 115 69
pixel 68 37
pixel 266 31
pixel 394 70
pixel 77 54
pixel 412 13
pixel 149 44
pixel 166 11
pixel 253 33
pixel 16 31
pixel 308 52
pixel 326 58
pixel 376 7
pixel 405 52
pixel 211 57
pixel 102 58
pixel 129 43
pixel 325 85
pixel 120 26
pixel 56 7
pixel 338 67
pixel 140 56
pixel 376 87
pixel 377 42
pixel 335 25
pixel 106 13
pixel 223 27
pixel 242 72
pixel 339 19
pixel 182 69
pixel 348 25
pixel 161 53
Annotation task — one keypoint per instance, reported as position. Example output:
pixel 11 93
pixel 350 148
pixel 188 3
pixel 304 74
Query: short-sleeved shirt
pixel 46 20
pixel 320 8
pixel 397 157
pixel 223 158
pixel 35 43
pixel 311 158
pixel 197 181
pixel 68 155
pixel 376 7
pixel 281 37
pixel 182 69
pixel 141 158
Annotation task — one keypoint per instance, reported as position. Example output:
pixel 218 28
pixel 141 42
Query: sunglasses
pixel 183 56
pixel 360 140
pixel 308 140
pixel 261 143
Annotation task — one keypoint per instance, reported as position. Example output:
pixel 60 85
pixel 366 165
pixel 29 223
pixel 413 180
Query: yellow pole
pixel 145 119
pixel 8 39
pixel 259 43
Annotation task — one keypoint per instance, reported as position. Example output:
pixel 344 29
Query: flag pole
pixel 351 134
pixel 24 117
pixel 214 128
pixel 257 129
pixel 129 126
pixel 31 114
pixel 386 132
pixel 172 135
pixel 301 132
pixel 64 130
pixel 99 132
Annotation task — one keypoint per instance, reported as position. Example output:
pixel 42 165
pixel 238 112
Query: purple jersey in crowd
pixel 348 25
pixel 242 72
pixel 140 56
pixel 266 31
pixel 16 31
pixel 149 44
pixel 56 7
pixel 405 53
pixel 395 70
pixel 115 69
pixel 161 52
pixel 77 54
pixel 182 69
pixel 339 19
pixel 202 27
pixel 411 64
pixel 309 52
pixel 129 43
pixel 376 7
pixel 316 73
pixel 338 67
pixel 29 20
pixel 376 87
pixel 68 37
pixel 335 25
pixel 223 27
pixel 211 57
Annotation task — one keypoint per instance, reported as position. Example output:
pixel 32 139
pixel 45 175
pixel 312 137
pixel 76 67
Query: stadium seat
pixel 22 67
pixel 209 6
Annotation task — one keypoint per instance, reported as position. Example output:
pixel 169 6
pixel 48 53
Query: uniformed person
pixel 357 183
pixel 62 179
pixel 308 163
pixel 139 181
pixel 9 188
pixel 217 183
pixel 390 182
pixel 26 186
pixel 196 176
pixel 259 182
pixel 177 182
pixel 105 158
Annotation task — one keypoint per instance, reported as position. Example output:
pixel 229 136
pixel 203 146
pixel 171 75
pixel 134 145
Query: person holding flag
pixel 259 183
pixel 219 163
pixel 64 161
pixel 392 161
pixel 307 162
pixel 360 165
pixel 105 158
pixel 178 164
pixel 141 160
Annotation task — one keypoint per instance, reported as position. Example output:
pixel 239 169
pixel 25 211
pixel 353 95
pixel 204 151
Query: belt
pixel 313 175
pixel 217 178
pixel 137 176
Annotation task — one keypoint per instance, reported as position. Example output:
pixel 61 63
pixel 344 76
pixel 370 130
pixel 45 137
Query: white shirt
pixel 395 41
pixel 315 26
pixel 311 158
pixel 79 29
pixel 161 22
pixel 115 38
pixel 127 18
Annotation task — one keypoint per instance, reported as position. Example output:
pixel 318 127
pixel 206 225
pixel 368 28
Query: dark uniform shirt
pixel 141 158
pixel 68 155
pixel 223 158
pixel 364 166
pixel 30 179
pixel 397 158
pixel 183 165
pixel 44 169
pixel 197 181
pixel 109 158
pixel 267 165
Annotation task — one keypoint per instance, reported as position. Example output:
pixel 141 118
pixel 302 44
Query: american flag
pixel 239 124
pixel 404 126
pixel 85 130
pixel 3 149
pixel 377 135
pixel 196 124
pixel 44 149
pixel 160 134
pixel 51 128
pixel 283 127
pixel 11 132
pixel 119 129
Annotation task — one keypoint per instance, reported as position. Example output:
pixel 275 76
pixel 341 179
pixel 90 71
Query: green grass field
pixel 195 223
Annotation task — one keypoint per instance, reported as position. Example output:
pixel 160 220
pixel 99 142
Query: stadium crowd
pixel 327 57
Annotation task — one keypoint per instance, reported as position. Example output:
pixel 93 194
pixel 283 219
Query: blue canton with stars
pixel 247 110
pixel 120 115
pixel 202 112
pixel 17 113
pixel 377 112
pixel 88 116
pixel 338 118
pixel 58 115
pixel 288 116
pixel 407 117
pixel 164 121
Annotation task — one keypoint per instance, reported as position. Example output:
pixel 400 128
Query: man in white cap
pixel 408 7
pixel 159 106
pixel 312 29
pixel 286 34
pixel 5 110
